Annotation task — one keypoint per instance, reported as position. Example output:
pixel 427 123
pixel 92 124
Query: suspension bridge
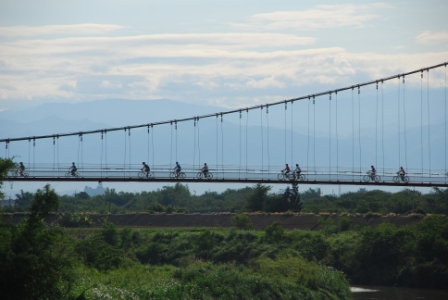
pixel 335 136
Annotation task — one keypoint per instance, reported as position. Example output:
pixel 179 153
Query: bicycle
pixel 302 177
pixel 177 175
pixel 207 175
pixel 144 174
pixel 70 174
pixel 399 178
pixel 369 177
pixel 283 176
pixel 16 173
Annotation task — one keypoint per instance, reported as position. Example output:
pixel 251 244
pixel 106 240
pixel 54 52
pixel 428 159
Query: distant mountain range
pixel 197 144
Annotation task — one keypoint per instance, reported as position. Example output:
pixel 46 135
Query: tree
pixel 24 198
pixel 36 261
pixel 289 200
pixel 258 199
pixel 82 195
pixel 6 165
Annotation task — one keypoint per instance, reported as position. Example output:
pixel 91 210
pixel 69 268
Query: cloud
pixel 429 38
pixel 16 31
pixel 322 16
pixel 215 67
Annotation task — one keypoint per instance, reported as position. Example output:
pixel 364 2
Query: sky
pixel 223 53
pixel 230 54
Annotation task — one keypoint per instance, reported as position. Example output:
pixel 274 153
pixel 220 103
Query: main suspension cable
pixel 232 111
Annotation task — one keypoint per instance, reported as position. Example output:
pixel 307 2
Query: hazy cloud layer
pixel 322 16
pixel 270 58
pixel 433 38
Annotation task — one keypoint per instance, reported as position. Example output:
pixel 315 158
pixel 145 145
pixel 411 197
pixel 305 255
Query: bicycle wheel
pixel 173 175
pixel 396 179
pixel 292 177
pixel 26 175
pixel 76 175
pixel 199 175
pixel 209 176
pixel 141 174
pixel 366 178
pixel 13 174
pixel 302 177
pixel 281 176
pixel 377 178
pixel 151 175
pixel 68 175
pixel 181 175
pixel 406 179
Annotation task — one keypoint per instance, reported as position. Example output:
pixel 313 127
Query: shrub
pixel 242 221
pixel 274 232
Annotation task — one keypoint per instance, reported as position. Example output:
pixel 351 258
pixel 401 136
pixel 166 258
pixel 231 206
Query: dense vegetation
pixel 38 261
pixel 179 198
pixel 49 262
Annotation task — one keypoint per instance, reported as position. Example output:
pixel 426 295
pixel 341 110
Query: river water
pixel 391 293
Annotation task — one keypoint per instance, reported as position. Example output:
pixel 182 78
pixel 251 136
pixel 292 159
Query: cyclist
pixel 73 169
pixel 145 168
pixel 298 171
pixel 205 169
pixel 21 169
pixel 372 172
pixel 177 169
pixel 286 170
pixel 401 173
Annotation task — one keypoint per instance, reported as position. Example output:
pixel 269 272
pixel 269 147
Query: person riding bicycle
pixel 401 173
pixel 205 169
pixel 145 168
pixel 73 169
pixel 372 172
pixel 286 170
pixel 298 171
pixel 177 169
pixel 21 169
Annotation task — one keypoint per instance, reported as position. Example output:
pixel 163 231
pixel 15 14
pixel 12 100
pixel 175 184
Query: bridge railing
pixel 321 174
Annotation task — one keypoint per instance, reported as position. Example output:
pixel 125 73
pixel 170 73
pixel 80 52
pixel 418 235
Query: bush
pixel 242 221
pixel 274 232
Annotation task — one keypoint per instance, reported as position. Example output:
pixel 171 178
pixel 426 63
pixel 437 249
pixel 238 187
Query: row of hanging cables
pixel 264 114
